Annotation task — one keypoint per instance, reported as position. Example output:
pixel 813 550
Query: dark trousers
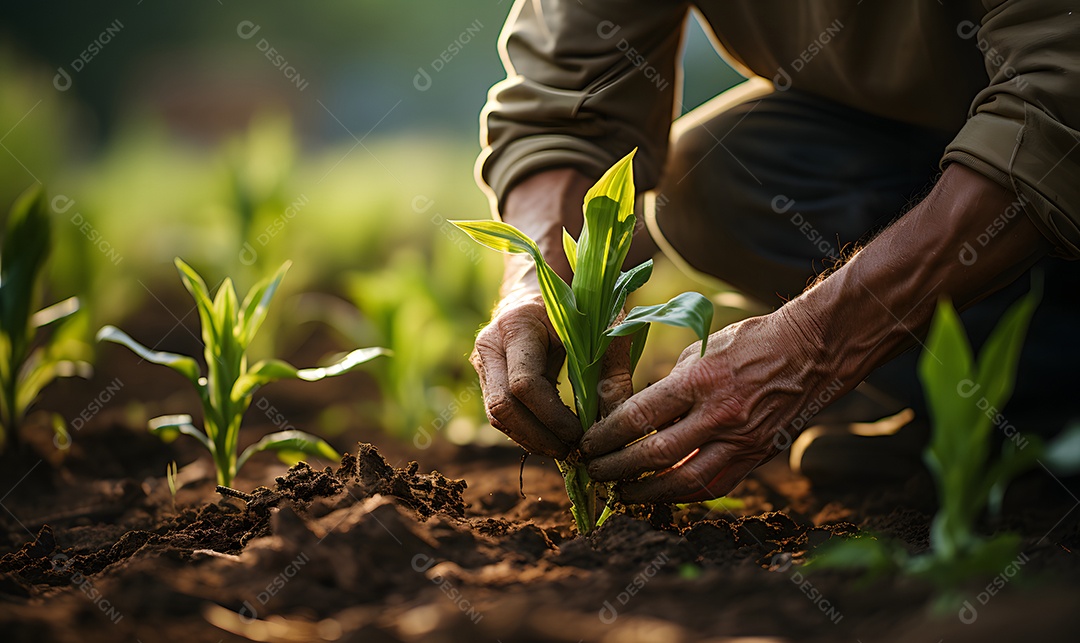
pixel 764 193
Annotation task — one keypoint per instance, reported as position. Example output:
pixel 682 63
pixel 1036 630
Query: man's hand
pixel 713 419
pixel 518 357
pixel 731 409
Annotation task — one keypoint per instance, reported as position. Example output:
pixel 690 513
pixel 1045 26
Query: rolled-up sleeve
pixel 586 83
pixel 1022 130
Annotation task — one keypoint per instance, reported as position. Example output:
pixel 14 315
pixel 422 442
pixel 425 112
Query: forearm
pixel 881 302
pixel 541 206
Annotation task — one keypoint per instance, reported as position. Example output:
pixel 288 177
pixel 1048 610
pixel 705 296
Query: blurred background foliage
pixel 178 136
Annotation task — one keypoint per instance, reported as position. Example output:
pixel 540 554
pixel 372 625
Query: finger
pixel 655 452
pixel 505 412
pixel 527 346
pixel 655 407
pixel 710 473
pixel 616 383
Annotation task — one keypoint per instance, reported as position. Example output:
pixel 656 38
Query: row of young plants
pixel 228 327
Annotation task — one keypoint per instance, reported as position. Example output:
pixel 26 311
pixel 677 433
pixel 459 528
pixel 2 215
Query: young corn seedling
pixel 959 389
pixel 584 312
pixel 25 369
pixel 226 391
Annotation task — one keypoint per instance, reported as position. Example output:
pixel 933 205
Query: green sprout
pixel 959 389
pixel 227 389
pixel 170 477
pixel 585 313
pixel 25 369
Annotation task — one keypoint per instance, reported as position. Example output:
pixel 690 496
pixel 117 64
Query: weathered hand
pixel 518 357
pixel 715 418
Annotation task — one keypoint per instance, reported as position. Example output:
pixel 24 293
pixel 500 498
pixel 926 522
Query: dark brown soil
pixel 94 547
pixel 369 551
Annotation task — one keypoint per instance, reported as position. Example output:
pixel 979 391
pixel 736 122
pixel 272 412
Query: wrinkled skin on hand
pixel 518 357
pixel 716 416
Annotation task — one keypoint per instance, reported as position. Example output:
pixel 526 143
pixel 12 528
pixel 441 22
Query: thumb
pixel 616 384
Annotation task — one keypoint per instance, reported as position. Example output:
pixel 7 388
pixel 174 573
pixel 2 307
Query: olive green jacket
pixel 587 80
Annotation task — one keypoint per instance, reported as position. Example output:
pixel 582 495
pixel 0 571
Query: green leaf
pixel 617 184
pixel 559 299
pixel 225 311
pixel 170 477
pixel 257 304
pixel 500 236
pixel 182 364
pixel 627 283
pixel 1062 455
pixel 1001 353
pixel 862 552
pixel 168 427
pixel 56 312
pixel 39 370
pixel 570 248
pixel 689 310
pixel 290 442
pixel 602 248
pixel 263 372
pixel 344 365
pixel 225 357
pixel 25 248
pixel 637 346
pixel 946 372
pixel 201 294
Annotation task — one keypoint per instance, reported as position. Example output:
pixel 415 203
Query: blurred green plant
pixel 258 165
pixel 958 390
pixel 227 389
pixel 25 369
pixel 422 312
pixel 585 313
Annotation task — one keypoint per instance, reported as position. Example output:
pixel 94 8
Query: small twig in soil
pixel 521 475
pixel 229 492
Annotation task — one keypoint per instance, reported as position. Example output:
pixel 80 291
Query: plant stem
pixel 582 493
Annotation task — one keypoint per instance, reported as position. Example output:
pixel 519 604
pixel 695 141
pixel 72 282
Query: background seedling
pixel 584 312
pixel 170 478
pixel 227 389
pixel 25 369
pixel 958 390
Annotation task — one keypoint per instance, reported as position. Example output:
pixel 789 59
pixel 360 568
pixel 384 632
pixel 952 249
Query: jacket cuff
pixel 1038 158
pixel 524 157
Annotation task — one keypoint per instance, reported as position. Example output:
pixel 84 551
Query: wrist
pixel 541 206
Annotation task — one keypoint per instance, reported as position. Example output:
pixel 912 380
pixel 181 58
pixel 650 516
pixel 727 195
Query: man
pixel 865 102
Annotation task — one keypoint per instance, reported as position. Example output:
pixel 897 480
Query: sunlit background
pixel 340 135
